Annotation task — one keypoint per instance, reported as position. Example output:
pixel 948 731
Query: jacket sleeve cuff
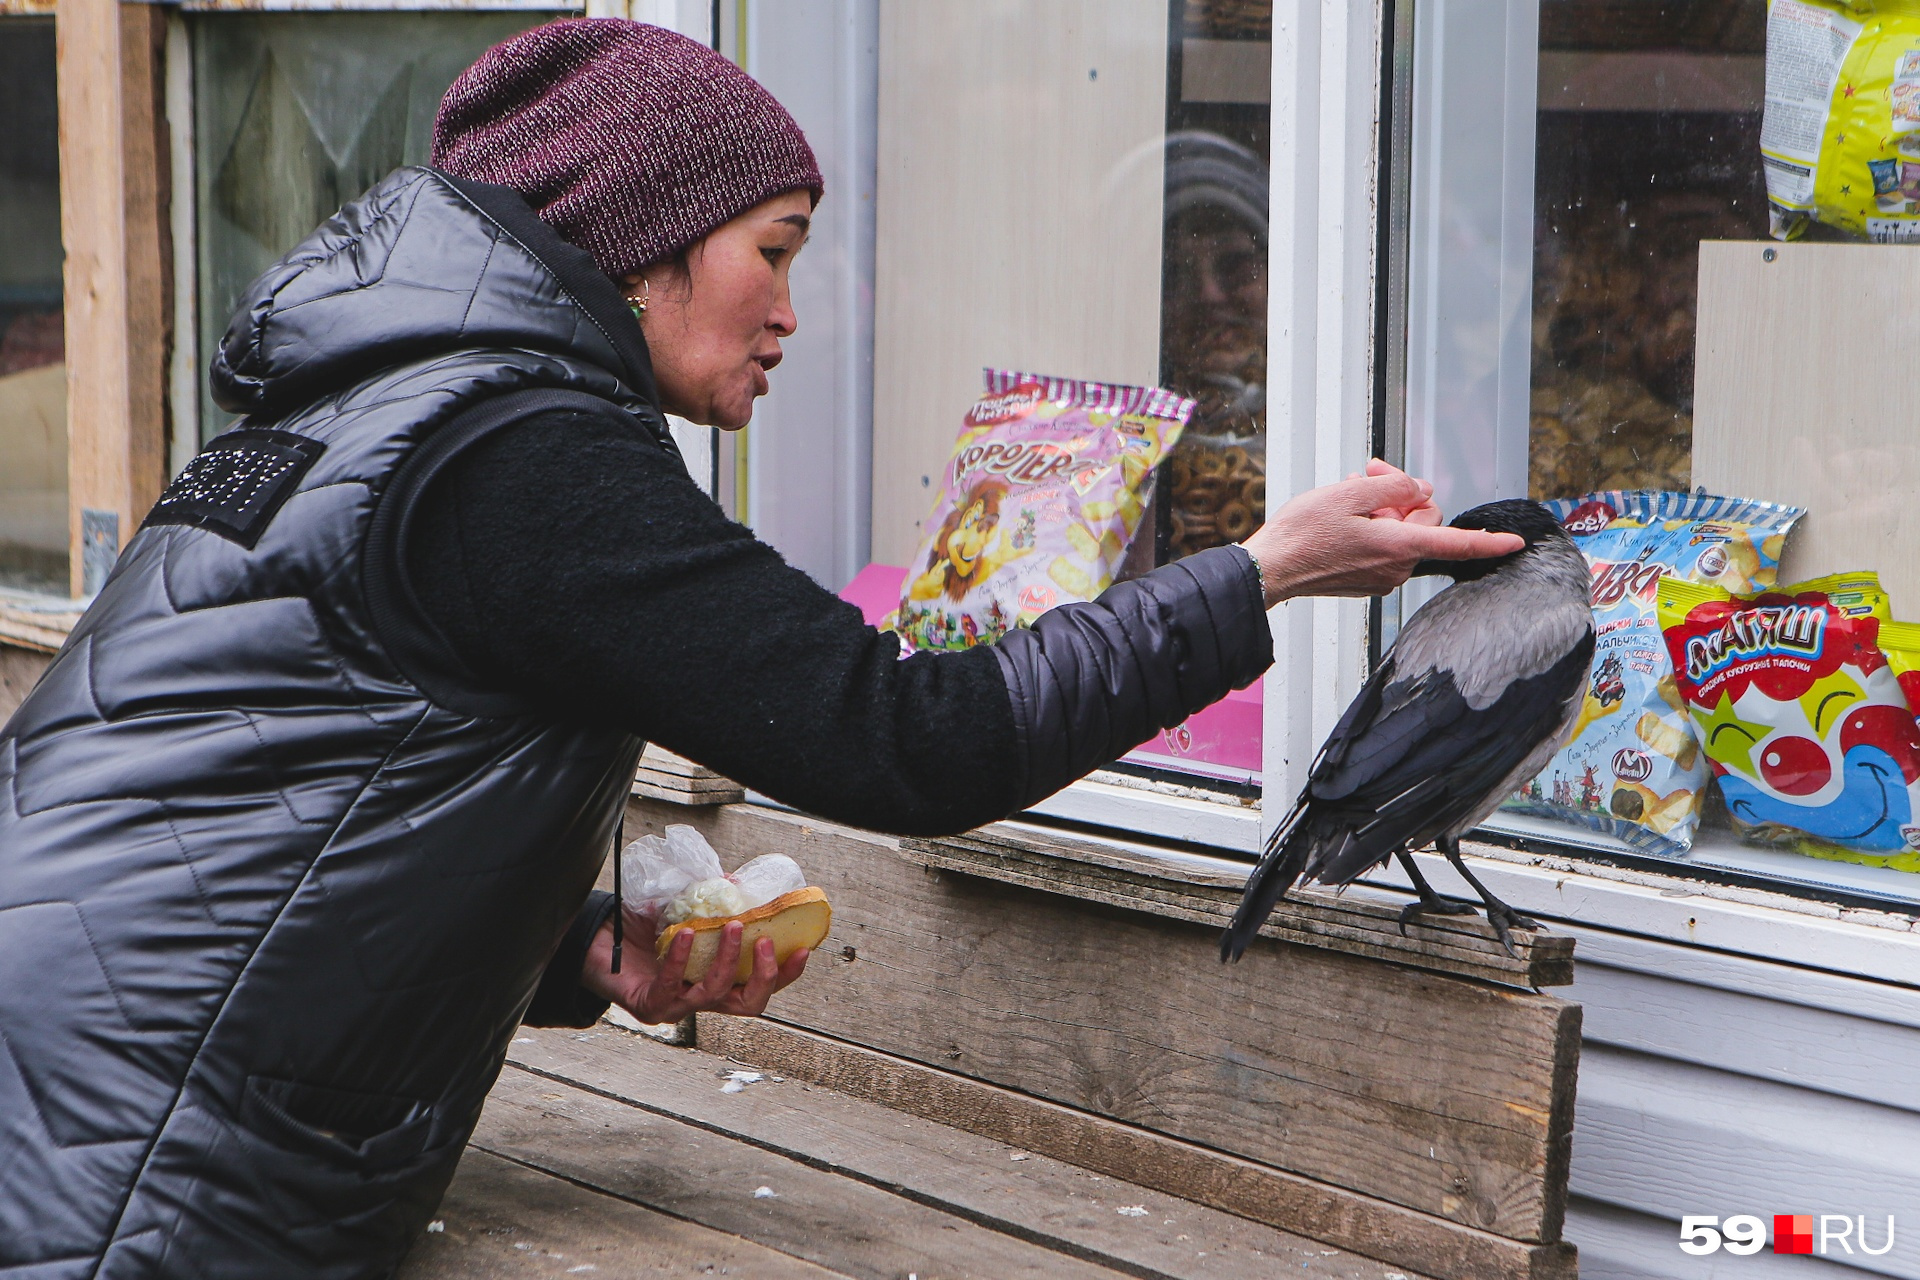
pixel 560 1000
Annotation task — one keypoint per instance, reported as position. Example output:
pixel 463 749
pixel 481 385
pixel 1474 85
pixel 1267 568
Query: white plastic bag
pixel 678 877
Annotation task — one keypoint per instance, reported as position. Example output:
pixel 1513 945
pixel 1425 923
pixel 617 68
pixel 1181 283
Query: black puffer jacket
pixel 278 873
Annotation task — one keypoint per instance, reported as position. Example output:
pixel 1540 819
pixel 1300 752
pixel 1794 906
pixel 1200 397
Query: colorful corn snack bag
pixel 1633 769
pixel 1044 491
pixel 1840 139
pixel 1900 641
pixel 1813 744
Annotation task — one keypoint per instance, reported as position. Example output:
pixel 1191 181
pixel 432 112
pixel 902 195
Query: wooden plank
pixel 1362 921
pixel 1001 243
pixel 1111 1221
pixel 113 224
pixel 1447 1096
pixel 707 1178
pixel 662 775
pixel 36 622
pixel 657 759
pixel 1774 420
pixel 19 670
pixel 648 789
pixel 503 1221
pixel 1373 1228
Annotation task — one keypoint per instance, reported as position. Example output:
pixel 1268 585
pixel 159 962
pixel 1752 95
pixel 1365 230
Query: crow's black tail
pixel 1280 866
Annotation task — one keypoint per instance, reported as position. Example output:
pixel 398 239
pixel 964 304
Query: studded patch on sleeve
pixel 234 486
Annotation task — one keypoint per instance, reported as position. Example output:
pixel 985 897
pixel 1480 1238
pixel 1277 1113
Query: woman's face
pixel 715 331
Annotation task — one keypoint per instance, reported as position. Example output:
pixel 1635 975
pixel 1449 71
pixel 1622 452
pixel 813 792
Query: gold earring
pixel 639 304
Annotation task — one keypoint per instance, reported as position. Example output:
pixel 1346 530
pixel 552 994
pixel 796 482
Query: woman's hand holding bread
pixel 654 988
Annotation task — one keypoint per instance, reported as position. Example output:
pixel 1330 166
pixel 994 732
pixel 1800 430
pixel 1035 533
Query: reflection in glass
pixel 1213 343
pixel 33 374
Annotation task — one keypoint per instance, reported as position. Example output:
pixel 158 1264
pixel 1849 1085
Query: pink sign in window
pixel 1222 741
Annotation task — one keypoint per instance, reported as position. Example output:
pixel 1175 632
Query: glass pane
pixel 296 114
pixel 33 372
pixel 1213 301
pixel 1599 301
pixel 1649 143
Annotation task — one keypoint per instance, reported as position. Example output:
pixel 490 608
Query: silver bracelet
pixel 1257 571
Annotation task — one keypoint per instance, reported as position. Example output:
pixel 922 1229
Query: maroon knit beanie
pixel 628 140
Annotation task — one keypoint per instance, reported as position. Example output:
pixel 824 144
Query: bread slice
pixel 793 920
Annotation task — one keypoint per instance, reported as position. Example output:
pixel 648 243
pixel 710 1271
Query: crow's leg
pixel 1430 903
pixel 1501 916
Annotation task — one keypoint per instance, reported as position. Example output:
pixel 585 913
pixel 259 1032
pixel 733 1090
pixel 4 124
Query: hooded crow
pixel 1480 689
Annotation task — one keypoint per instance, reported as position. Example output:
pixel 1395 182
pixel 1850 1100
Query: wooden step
pixel 859 1187
pixel 504 1221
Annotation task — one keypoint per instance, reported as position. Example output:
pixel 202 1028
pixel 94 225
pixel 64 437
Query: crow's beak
pixel 1434 569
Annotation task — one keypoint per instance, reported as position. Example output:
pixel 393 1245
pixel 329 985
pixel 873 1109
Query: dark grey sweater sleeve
pixel 577 564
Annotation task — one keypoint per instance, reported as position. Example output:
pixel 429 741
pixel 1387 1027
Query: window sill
pixel 1737 920
pixel 1156 809
pixel 33 620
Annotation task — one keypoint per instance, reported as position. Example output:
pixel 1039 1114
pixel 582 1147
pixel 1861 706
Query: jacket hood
pixel 421 264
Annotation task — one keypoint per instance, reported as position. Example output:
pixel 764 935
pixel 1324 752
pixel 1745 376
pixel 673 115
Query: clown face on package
pixel 1802 719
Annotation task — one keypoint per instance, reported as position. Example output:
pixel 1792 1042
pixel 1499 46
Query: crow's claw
pixel 1433 906
pixel 1504 919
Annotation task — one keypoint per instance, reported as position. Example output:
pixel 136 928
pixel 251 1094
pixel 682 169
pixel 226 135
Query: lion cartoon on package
pixel 969 547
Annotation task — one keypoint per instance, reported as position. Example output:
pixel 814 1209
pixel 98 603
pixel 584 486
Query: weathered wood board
pixel 695 1174
pixel 1361 921
pixel 1451 1097
pixel 1077 1212
pixel 19 671
pixel 662 775
pixel 504 1221
pixel 1404 1238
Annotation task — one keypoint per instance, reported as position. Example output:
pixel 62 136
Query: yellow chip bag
pixel 1840 139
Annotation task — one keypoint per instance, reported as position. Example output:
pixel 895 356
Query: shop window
pixel 1213 300
pixel 297 113
pixel 1635 232
pixel 1077 190
pixel 33 386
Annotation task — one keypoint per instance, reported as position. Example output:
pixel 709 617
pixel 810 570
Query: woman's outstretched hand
pixel 1362 537
pixel 654 988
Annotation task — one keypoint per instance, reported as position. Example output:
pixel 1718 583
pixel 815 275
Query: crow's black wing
pixel 1415 759
pixel 1409 759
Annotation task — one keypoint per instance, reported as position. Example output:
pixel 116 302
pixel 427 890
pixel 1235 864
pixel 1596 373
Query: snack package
pixel 1813 744
pixel 1043 493
pixel 1840 138
pixel 1900 641
pixel 677 877
pixel 1633 769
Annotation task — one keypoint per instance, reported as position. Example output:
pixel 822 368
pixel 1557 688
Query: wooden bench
pixel 1408 1099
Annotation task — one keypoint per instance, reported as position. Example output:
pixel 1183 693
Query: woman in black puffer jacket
pixel 304 819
